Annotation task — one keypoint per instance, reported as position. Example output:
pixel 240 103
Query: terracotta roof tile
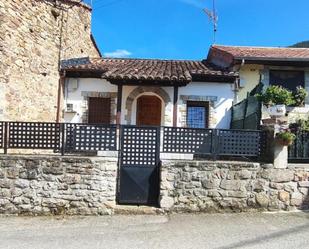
pixel 145 69
pixel 264 52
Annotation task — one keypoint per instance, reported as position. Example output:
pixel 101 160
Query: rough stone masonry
pixel 57 185
pixel 199 186
pixel 44 185
pixel 34 36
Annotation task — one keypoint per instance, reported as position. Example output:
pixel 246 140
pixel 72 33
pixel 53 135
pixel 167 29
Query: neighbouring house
pixel 288 67
pixel 147 92
pixel 34 37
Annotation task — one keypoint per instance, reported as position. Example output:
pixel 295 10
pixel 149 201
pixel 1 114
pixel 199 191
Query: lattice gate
pixel 139 179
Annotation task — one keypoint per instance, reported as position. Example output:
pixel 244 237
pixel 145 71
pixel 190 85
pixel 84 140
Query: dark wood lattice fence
pixel 86 137
pixel 239 143
pixel 212 142
pixel 187 140
pixel 139 145
pixel 28 135
pixel 1 134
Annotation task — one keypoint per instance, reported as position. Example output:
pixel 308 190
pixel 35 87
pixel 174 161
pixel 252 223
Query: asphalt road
pixel 254 230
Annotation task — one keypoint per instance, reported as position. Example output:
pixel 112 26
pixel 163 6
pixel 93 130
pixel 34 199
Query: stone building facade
pixel 34 37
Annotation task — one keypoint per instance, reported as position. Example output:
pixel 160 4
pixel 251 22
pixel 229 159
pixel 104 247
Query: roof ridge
pixel 146 59
pixel 263 47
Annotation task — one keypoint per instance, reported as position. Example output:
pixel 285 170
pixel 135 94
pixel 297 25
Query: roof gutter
pixel 271 59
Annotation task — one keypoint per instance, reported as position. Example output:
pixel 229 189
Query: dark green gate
pixel 139 179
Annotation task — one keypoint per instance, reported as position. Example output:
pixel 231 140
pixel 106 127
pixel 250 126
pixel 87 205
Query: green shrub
pixel 299 96
pixel 276 95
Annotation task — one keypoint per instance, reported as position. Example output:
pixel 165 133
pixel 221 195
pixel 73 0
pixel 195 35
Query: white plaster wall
pixel 75 96
pixel 224 93
pixel 250 78
pixel 100 85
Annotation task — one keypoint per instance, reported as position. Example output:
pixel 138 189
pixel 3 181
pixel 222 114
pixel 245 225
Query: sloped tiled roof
pixel 145 69
pixel 239 52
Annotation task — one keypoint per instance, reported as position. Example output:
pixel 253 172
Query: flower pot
pixel 284 142
pixel 277 110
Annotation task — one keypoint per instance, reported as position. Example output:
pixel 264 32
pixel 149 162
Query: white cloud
pixel 118 53
pixel 196 3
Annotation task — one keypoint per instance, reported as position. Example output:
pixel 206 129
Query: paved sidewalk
pixel 253 230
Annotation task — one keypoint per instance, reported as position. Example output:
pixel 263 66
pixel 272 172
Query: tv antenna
pixel 213 17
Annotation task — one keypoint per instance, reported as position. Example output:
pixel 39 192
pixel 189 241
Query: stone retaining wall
pixel 57 185
pixel 43 185
pixel 236 186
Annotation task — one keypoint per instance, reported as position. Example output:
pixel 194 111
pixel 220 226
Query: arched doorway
pixel 130 106
pixel 148 110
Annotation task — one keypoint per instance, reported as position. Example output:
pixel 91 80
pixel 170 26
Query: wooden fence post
pixel 62 129
pixel 5 137
pixel 214 143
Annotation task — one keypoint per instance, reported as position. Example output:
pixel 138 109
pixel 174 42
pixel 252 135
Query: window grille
pixel 197 114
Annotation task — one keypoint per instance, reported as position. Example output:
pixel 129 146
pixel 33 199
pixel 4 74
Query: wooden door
pixel 148 111
pixel 99 111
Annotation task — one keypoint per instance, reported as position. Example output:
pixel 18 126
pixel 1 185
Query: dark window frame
pixel 205 104
pixel 272 81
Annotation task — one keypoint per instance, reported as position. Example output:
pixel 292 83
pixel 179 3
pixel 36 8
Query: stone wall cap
pixel 53 157
pixel 240 163
pixel 298 166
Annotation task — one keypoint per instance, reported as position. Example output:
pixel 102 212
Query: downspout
pixel 237 81
pixel 60 87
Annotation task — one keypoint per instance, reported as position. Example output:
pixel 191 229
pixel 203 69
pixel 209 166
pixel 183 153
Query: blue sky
pixel 178 29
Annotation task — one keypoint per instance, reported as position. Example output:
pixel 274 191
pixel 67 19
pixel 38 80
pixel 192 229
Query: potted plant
pixel 300 125
pixel 299 96
pixel 285 137
pixel 276 98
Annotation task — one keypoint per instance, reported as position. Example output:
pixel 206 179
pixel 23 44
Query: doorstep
pixel 136 210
